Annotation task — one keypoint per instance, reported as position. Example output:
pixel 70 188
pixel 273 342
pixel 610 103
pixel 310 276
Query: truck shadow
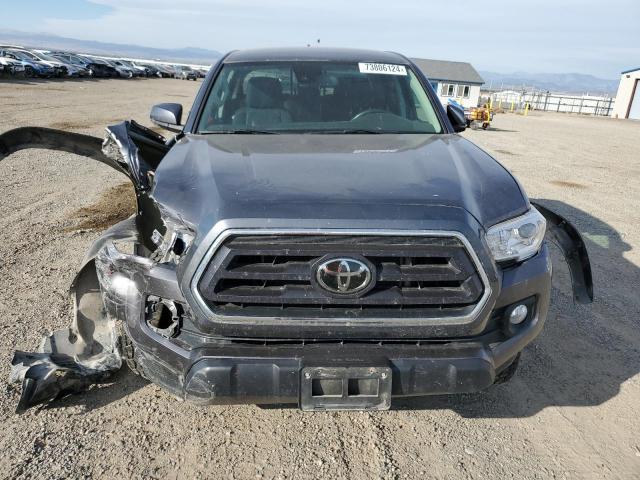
pixel 585 353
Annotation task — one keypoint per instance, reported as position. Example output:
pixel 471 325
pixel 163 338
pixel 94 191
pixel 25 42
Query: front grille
pixel 271 275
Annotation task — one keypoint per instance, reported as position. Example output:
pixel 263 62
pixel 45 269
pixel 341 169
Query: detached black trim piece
pixel 40 137
pixel 568 239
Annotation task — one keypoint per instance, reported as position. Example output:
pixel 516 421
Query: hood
pixel 333 176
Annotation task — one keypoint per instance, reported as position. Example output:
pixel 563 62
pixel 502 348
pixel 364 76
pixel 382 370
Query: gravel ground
pixel 572 411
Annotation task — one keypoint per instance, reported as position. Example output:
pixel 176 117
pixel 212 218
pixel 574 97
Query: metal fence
pixel 554 102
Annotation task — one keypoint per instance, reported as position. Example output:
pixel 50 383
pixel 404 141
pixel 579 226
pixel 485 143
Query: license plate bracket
pixel 345 388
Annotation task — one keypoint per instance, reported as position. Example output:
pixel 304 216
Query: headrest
pixel 264 92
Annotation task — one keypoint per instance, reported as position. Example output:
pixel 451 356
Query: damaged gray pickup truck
pixel 316 233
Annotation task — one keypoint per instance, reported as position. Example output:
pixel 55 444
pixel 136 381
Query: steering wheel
pixel 370 111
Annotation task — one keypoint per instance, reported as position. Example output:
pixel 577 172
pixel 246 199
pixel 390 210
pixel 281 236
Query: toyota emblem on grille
pixel 344 276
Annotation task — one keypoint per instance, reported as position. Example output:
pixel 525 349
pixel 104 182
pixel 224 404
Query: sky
pixel 551 36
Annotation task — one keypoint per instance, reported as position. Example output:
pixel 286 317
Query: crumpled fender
pixel 88 352
pixel 40 137
pixel 569 240
pixel 70 359
pixel 120 148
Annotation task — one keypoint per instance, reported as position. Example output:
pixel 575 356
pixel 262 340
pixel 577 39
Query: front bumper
pixel 210 369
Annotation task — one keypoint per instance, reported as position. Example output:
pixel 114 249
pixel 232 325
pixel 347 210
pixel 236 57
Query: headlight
pixel 517 239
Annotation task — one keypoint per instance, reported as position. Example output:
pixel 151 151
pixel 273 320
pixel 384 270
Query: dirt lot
pixel 573 410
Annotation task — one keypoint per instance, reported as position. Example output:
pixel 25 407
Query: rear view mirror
pixel 456 117
pixel 167 116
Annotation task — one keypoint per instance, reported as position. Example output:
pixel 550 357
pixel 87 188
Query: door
pixel 634 106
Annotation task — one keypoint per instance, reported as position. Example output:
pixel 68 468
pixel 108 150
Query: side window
pixel 215 111
pixel 423 108
pixel 448 90
pixel 463 91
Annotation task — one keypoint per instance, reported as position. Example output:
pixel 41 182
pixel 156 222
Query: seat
pixel 351 96
pixel 305 106
pixel 264 104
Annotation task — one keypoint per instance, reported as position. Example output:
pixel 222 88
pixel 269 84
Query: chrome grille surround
pixel 389 320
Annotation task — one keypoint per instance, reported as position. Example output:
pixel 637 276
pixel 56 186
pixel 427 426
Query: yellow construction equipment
pixel 480 115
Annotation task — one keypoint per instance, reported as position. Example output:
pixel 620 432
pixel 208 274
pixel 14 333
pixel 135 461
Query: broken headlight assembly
pixel 174 243
pixel 517 239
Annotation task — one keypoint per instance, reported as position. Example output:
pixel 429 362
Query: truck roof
pixel 314 54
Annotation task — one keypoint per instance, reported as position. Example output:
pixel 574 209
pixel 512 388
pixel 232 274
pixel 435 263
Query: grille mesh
pixel 271 275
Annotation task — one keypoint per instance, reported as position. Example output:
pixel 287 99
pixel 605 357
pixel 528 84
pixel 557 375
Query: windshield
pixel 79 60
pixel 318 97
pixel 47 58
pixel 24 55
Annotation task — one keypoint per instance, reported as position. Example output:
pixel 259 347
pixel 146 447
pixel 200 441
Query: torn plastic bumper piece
pixel 108 289
pixel 49 376
pixel 70 359
pixel 569 240
pixel 119 149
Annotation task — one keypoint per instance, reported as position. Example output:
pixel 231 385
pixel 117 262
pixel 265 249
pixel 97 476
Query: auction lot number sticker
pixel 382 68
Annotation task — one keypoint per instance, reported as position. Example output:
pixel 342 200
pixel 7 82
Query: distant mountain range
pixel 54 42
pixel 554 82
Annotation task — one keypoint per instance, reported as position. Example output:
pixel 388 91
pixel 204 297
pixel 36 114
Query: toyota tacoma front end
pixel 315 234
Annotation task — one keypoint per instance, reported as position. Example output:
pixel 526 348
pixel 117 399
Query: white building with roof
pixel 457 81
pixel 628 97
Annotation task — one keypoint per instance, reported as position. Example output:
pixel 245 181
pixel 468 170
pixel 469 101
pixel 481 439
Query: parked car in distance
pixel 105 69
pixel 98 70
pixel 59 69
pixel 166 71
pixel 186 73
pixel 144 71
pixel 135 70
pixel 75 71
pixel 122 71
pixel 11 66
pixel 33 67
pixel 151 69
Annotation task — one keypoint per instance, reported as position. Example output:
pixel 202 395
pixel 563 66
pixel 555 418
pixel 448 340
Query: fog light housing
pixel 518 314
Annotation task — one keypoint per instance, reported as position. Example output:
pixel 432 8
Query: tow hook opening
pixel 163 316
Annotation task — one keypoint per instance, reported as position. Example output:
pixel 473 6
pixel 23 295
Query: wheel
pixel 29 72
pixel 128 352
pixel 507 373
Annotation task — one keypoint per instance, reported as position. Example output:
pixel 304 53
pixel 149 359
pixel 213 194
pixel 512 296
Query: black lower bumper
pixel 413 371
pixel 209 369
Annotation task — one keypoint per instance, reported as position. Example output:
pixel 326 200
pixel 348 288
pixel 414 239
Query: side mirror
pixel 456 117
pixel 167 116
